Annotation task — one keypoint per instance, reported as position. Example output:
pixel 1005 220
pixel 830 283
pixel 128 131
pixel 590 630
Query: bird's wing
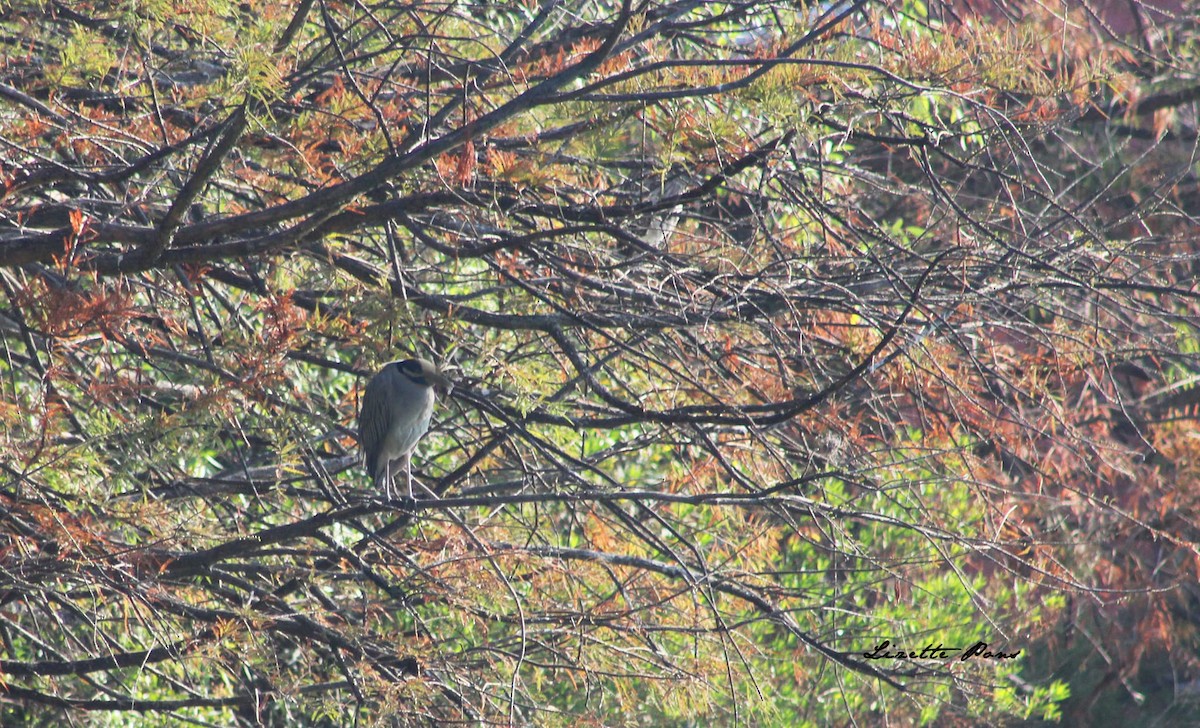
pixel 375 419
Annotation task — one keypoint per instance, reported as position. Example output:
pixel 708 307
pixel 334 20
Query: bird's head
pixel 424 373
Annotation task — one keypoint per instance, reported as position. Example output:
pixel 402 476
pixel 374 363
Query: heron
pixel 396 408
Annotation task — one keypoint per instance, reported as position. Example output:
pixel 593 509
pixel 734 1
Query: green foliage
pixel 83 59
pixel 769 345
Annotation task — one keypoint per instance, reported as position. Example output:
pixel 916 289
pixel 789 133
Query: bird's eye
pixel 412 370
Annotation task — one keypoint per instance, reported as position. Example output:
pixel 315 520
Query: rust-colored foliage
pixel 776 329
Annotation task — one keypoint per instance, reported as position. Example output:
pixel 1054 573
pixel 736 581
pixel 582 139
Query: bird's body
pixel 396 409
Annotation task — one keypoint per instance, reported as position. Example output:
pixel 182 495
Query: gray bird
pixel 395 414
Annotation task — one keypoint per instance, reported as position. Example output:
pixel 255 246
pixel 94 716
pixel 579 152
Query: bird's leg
pixel 387 480
pixel 408 470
